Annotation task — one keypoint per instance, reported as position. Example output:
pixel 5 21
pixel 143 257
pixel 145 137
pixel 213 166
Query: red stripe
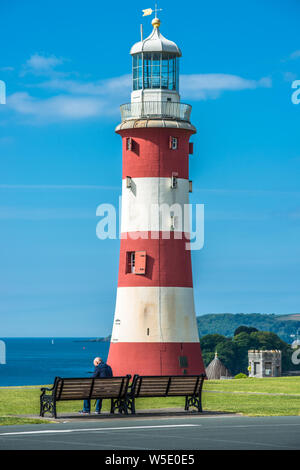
pixel 151 155
pixel 155 358
pixel 168 263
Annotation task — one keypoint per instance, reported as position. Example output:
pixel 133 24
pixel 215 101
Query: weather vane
pixel 149 11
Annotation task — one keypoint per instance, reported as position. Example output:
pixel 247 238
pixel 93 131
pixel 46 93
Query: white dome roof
pixel 156 42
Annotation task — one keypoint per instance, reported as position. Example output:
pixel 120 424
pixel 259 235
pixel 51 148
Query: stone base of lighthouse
pixel 156 358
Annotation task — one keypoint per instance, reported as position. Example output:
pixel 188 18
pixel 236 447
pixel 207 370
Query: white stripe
pixel 57 431
pixel 168 313
pixel 140 202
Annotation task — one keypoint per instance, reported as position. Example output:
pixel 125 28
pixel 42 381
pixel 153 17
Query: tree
pixel 243 343
pixel 209 342
pixel 227 355
pixel 267 340
pixel 207 357
pixel 226 323
pixel 244 329
pixel 243 340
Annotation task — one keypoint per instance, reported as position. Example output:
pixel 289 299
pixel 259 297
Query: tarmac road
pixel 158 433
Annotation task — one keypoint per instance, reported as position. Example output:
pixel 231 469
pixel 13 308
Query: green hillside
pixel 225 323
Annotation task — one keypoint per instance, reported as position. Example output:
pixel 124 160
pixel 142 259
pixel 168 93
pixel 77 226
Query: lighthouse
pixel 155 330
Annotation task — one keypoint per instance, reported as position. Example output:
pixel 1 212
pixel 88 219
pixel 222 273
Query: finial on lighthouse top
pixel 156 23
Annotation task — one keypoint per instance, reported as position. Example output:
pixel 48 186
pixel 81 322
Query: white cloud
pixel 59 107
pixel 200 86
pixel 57 187
pixel 79 100
pixel 39 64
pixel 295 55
pixel 249 192
pixel 211 85
pixel 289 76
pixel 37 214
pixel 7 69
pixel 117 85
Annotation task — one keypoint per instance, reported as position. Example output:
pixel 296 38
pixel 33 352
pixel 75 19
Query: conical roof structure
pixel 215 370
pixel 156 42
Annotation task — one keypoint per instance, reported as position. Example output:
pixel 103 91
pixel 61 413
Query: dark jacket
pixel 102 370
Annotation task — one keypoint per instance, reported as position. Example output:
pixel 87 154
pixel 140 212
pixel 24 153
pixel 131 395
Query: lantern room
pixel 155 68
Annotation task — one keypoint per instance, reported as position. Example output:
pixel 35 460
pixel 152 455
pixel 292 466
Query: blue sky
pixel 67 68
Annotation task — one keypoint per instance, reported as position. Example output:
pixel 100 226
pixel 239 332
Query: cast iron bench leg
pixel 194 400
pixel 133 406
pixel 112 409
pixel 186 408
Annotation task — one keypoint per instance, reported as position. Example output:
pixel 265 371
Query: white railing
pixel 156 109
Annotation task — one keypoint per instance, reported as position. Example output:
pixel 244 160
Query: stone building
pixel 264 363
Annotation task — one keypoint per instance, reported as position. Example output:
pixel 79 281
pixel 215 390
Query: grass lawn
pixel 11 420
pixel 289 385
pixel 16 401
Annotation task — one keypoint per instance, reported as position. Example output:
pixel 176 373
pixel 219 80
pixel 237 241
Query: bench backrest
pixel 167 385
pixel 90 388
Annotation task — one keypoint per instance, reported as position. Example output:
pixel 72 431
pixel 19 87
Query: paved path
pixel 188 432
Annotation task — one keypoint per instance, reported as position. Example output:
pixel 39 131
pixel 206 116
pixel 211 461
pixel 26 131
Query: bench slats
pixel 146 386
pixel 90 388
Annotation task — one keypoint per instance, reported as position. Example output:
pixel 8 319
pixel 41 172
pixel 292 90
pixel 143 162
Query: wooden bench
pixel 188 386
pixel 63 389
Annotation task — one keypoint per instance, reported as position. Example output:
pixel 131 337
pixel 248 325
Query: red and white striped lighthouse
pixel 155 330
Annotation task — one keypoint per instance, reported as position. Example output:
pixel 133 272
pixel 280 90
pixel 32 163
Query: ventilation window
pixel 148 331
pixel 173 143
pixel 190 186
pixel 136 262
pixel 191 148
pixel 130 262
pixel 129 143
pixel 128 182
pixel 173 182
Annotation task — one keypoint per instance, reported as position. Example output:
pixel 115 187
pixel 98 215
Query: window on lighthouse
pixel 132 262
pixel 136 262
pixel 173 143
pixel 129 143
pixel 161 70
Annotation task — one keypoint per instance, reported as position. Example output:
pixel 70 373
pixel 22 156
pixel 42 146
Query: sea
pixel 37 361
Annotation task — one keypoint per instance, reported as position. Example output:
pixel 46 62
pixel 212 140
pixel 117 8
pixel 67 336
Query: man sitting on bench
pixel 101 370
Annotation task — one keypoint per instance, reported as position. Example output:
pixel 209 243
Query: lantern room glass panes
pixel 137 72
pixel 161 70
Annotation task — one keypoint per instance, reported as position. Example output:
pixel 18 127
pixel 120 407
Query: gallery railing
pixel 156 110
